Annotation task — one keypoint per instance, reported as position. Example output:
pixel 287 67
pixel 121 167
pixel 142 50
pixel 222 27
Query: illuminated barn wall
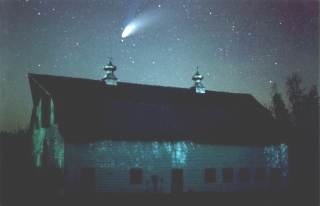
pixel 112 161
pixel 48 145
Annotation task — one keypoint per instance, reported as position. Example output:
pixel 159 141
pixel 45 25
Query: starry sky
pixel 239 45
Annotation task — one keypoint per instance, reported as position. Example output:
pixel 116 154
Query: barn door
pixel 87 179
pixel 176 180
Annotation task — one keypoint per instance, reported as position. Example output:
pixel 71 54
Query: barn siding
pixel 112 161
pixel 48 144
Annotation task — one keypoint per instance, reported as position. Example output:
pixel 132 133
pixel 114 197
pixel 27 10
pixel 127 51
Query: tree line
pixel 303 110
pixel 299 123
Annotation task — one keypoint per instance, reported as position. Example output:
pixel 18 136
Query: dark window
pixel 136 176
pixel 228 175
pixel 87 179
pixel 177 180
pixel 260 174
pixel 244 174
pixel 275 175
pixel 210 175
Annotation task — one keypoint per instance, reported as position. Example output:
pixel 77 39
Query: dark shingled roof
pixel 87 110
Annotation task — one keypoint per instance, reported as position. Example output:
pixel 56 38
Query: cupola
pixel 110 78
pixel 197 78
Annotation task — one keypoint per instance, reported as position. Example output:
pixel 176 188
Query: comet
pixel 128 30
pixel 143 20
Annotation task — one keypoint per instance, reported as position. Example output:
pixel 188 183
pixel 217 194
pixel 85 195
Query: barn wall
pixel 112 161
pixel 48 144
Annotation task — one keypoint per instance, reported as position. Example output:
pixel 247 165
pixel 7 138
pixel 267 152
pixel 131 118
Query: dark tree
pixel 281 114
pixel 304 106
pixel 311 105
pixel 279 110
pixel 305 139
pixel 295 94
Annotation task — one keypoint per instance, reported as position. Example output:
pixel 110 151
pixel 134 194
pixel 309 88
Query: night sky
pixel 239 45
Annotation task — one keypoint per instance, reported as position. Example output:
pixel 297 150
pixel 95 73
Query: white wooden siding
pixel 112 161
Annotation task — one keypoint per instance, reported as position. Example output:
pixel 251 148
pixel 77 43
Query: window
pixel 275 175
pixel 210 175
pixel 244 174
pixel 87 179
pixel 260 174
pixel 228 175
pixel 177 180
pixel 136 176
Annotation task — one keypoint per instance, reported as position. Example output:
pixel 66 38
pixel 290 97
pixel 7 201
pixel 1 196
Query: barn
pixel 110 136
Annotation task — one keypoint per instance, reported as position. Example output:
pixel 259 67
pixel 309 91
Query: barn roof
pixel 88 110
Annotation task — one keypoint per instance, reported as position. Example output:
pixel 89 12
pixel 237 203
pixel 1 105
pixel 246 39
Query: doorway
pixel 177 180
pixel 87 179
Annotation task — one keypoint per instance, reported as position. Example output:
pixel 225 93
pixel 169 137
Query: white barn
pixel 109 136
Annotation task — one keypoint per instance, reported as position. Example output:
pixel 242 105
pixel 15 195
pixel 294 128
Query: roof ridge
pixel 210 92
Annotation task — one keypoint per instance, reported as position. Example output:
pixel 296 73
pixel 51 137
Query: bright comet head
pixel 128 30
